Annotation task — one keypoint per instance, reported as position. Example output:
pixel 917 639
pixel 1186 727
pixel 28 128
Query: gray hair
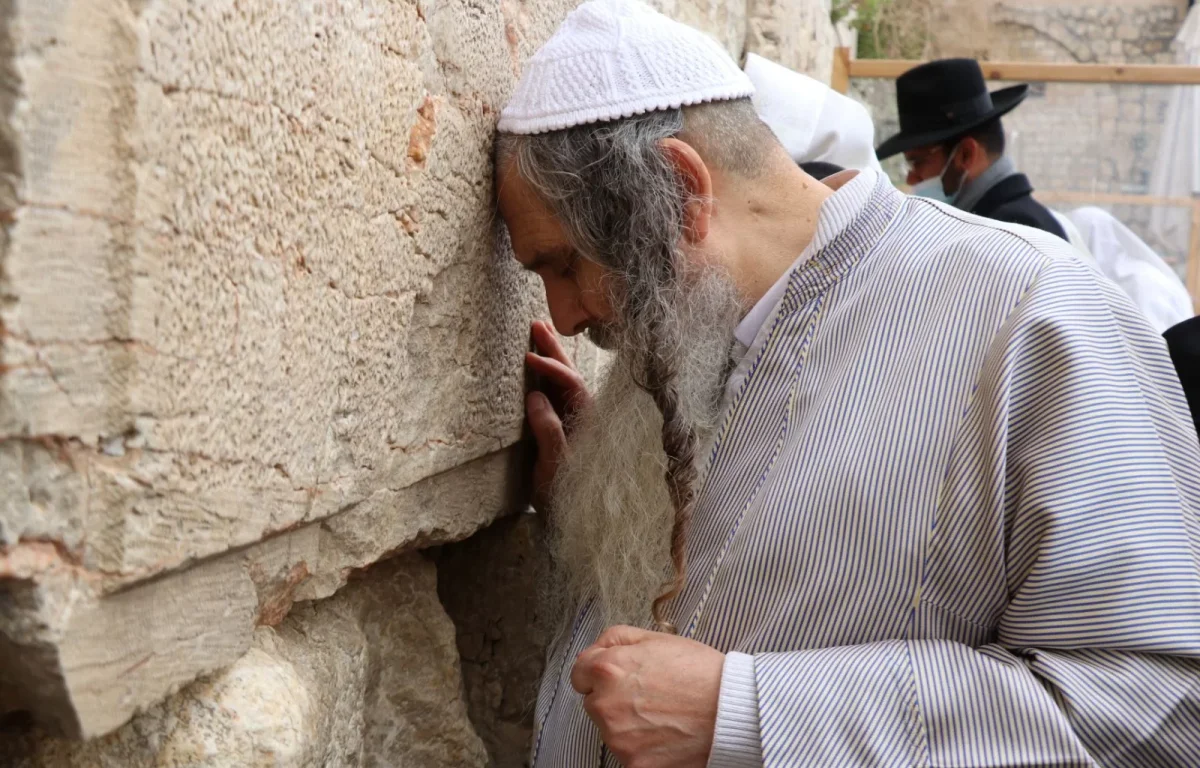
pixel 623 205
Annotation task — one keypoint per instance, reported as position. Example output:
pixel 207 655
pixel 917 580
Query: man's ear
pixel 694 174
pixel 973 153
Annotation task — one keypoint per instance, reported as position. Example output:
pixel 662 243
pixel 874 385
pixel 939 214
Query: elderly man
pixel 953 141
pixel 894 484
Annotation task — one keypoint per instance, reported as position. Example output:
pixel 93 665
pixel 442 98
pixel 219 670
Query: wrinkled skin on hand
pixel 653 696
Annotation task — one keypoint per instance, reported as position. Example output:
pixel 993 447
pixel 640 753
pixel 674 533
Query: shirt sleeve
pixel 736 742
pixel 1078 466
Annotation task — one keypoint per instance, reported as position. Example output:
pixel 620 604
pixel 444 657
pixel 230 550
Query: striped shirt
pixel 951 516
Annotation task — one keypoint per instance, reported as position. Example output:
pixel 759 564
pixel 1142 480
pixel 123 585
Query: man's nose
pixel 914 178
pixel 567 313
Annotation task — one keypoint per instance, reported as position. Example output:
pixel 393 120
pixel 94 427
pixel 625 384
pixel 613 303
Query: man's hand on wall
pixel 653 696
pixel 562 393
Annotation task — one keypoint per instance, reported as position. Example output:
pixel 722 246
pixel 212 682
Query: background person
pixel 953 142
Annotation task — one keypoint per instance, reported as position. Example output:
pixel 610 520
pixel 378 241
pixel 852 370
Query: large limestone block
pixel 85 663
pixel 256 332
pixel 367 678
pixel 250 275
pixel 250 291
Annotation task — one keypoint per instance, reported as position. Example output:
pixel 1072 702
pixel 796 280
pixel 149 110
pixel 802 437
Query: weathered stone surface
pixel 280 345
pixel 490 586
pixel 725 20
pixel 117 652
pixel 249 286
pixel 255 333
pixel 369 677
pixel 415 713
pixel 795 33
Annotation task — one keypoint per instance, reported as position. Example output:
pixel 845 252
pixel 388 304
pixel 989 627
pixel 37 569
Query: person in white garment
pixel 1150 283
pixel 871 481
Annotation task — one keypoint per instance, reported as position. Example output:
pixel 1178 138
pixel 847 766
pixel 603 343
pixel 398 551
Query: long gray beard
pixel 612 515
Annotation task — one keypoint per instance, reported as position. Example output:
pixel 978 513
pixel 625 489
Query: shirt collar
pixel 974 189
pixel 837 213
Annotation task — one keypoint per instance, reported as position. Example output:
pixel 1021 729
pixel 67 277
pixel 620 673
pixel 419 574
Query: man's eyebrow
pixel 539 261
pixel 545 258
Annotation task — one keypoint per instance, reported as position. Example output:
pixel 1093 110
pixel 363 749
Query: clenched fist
pixel 653 696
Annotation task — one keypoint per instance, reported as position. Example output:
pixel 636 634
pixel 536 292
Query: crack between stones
pixel 106 342
pixel 64 558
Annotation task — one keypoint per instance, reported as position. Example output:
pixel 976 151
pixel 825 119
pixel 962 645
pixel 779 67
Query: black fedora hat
pixel 943 99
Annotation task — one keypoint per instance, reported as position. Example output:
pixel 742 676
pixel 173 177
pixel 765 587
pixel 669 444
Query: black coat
pixel 1184 342
pixel 1012 201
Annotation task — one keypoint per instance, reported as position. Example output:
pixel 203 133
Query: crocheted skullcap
pixel 615 58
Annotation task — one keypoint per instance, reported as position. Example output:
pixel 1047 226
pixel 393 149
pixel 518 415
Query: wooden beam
pixel 1144 74
pixel 1109 198
pixel 840 81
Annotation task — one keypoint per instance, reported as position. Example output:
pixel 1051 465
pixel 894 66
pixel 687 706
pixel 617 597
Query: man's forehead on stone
pixel 610 60
pixel 584 180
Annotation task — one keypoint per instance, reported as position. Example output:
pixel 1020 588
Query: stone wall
pixel 1069 137
pixel 255 338
pixel 369 677
pixel 489 584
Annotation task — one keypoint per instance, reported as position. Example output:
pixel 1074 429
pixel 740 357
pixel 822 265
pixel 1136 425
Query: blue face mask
pixel 934 189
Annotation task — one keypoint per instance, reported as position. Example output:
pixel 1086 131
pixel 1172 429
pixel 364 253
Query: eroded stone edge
pixel 120 653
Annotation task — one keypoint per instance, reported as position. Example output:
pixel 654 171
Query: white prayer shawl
pixel 1074 236
pixel 811 120
pixel 951 517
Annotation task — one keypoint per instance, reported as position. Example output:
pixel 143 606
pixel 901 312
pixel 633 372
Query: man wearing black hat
pixel 951 136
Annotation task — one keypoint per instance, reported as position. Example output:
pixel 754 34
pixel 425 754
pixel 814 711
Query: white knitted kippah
pixel 616 58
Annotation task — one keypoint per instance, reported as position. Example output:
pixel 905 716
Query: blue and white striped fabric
pixel 951 518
